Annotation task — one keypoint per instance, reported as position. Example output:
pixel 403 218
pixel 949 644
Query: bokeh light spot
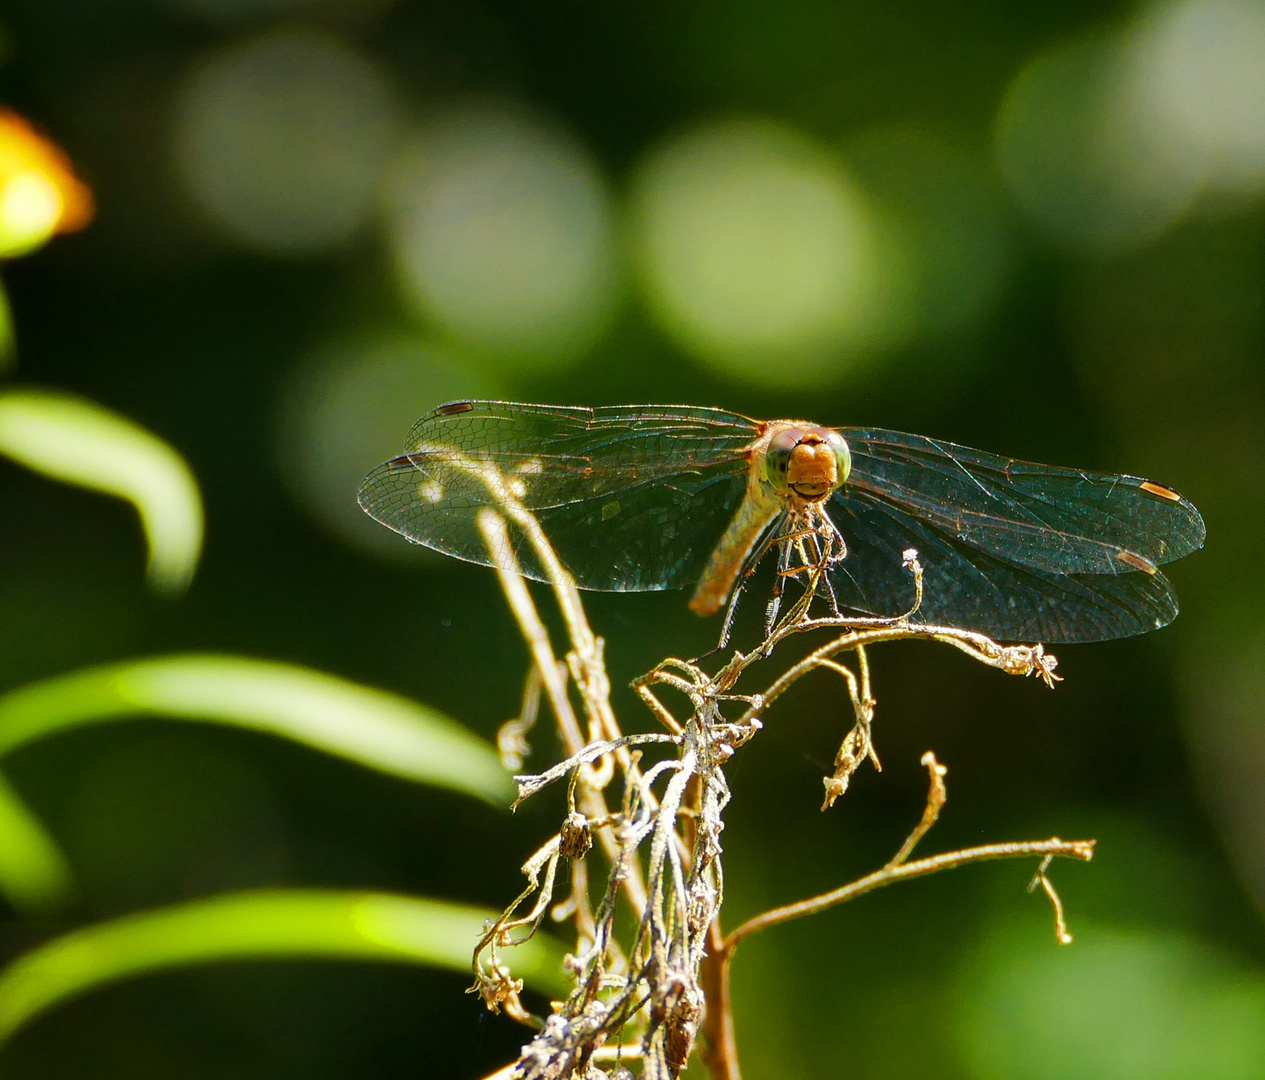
pixel 944 240
pixel 1203 62
pixel 349 408
pixel 282 140
pixel 1116 1005
pixel 228 11
pixel 501 226
pixel 1109 141
pixel 755 249
pixel 1083 153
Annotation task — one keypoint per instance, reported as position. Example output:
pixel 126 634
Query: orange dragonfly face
pixel 637 498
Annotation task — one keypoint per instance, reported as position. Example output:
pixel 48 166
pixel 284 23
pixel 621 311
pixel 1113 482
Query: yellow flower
pixel 39 192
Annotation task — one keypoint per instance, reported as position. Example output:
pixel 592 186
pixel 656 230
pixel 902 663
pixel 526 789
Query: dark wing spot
pixel 454 407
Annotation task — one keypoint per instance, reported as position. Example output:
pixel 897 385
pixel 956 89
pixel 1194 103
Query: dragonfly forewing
pixel 631 498
pixel 1066 521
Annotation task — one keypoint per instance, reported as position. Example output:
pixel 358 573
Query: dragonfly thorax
pixel 811 462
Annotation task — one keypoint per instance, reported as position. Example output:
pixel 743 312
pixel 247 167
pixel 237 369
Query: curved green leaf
pixel 260 925
pixel 34 875
pixel 373 727
pixel 78 442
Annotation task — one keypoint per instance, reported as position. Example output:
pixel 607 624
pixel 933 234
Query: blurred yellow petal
pixel 39 192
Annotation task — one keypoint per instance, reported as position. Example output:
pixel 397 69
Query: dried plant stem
pixel 651 964
pixel 720 1043
pixel 720 1053
pixel 586 661
pixel 1047 886
pixel 891 874
pixel 721 1056
pixel 937 796
pixel 858 633
pixel 604 1054
pixel 496 536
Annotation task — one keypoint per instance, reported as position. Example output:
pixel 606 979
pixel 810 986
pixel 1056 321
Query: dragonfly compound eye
pixel 843 456
pixel 777 458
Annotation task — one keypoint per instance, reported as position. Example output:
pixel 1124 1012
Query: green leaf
pixel 34 875
pixel 8 346
pixel 373 727
pixel 81 443
pixel 261 925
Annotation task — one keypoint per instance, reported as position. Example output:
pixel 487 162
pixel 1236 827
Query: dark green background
pixel 1148 362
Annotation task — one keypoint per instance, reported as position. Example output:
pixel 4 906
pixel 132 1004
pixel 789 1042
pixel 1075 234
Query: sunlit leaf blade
pixel 372 727
pixel 8 347
pixel 34 876
pixel 78 442
pixel 260 925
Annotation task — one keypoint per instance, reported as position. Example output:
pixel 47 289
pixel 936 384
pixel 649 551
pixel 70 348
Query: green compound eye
pixel 843 456
pixel 777 458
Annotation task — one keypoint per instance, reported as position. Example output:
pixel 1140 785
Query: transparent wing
pixel 631 497
pixel 971 589
pixel 1040 516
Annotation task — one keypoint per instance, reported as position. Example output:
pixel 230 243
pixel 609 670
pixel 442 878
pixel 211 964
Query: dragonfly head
pixel 811 462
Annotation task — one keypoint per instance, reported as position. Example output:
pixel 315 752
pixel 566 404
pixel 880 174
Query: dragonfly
pixel 646 497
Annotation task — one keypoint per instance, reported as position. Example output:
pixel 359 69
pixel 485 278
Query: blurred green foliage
pixel 262 925
pixel 370 727
pixel 84 444
pixel 1060 269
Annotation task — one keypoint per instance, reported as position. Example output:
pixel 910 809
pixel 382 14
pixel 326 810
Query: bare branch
pixel 889 875
pixel 1060 923
pixel 528 785
pixel 497 538
pixel 937 796
pixel 650 963
pixel 511 736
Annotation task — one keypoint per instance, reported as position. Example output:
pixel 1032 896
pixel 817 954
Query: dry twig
pixel 650 964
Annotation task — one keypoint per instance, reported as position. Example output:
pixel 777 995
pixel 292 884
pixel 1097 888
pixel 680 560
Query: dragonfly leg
pixel 731 611
pixel 835 613
pixel 802 552
pixel 815 570
pixel 836 552
pixel 783 571
pixel 772 537
pixel 838 549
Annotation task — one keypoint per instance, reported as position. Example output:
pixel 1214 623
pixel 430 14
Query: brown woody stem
pixel 889 875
